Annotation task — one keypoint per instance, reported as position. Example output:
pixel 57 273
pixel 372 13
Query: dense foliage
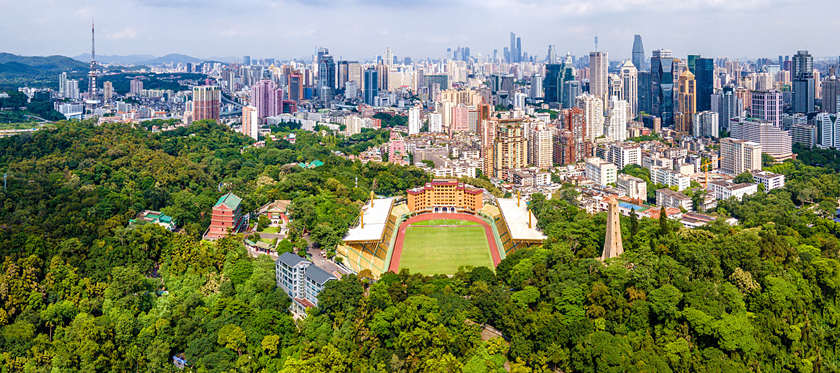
pixel 81 292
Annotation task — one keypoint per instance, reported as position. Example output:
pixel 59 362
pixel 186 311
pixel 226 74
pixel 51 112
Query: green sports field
pixel 441 250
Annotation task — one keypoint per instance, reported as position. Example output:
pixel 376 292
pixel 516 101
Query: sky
pixel 362 29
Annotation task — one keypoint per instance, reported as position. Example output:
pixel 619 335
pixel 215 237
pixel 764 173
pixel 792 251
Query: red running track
pixel 394 266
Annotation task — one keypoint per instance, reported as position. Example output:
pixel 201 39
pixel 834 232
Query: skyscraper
pixel 704 75
pixel 644 91
pixel 554 84
pixel 598 75
pixel 804 87
pixel 686 102
pixel 662 85
pixel 639 53
pixel 727 105
pixel 630 87
pixel 326 74
pixel 371 85
pixel 206 102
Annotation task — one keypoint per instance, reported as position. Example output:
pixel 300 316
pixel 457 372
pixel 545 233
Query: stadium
pixel 436 229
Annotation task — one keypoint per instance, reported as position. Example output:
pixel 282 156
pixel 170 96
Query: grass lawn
pixel 441 250
pixel 445 222
pixel 271 230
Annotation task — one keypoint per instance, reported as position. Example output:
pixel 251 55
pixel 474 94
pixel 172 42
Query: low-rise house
pixel 669 198
pixel 769 180
pixel 723 190
pixel 276 211
pixel 153 217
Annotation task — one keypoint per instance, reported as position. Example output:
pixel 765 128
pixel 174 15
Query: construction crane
pixel 705 166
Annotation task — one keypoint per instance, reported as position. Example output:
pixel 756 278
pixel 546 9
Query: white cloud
pixel 124 34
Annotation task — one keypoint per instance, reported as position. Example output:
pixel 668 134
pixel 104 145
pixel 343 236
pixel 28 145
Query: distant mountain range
pixel 36 71
pixel 140 59
pixel 13 62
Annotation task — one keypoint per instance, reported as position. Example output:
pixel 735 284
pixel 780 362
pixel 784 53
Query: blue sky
pixel 361 29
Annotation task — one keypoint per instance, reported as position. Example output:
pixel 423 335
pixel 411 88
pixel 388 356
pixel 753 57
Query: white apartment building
pixel 738 156
pixel 829 130
pixel 632 186
pixel 623 154
pixel 668 198
pixel 670 178
pixel 769 180
pixel 540 148
pixel 601 171
pixel 723 190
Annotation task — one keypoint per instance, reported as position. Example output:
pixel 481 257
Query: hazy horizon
pixel 356 29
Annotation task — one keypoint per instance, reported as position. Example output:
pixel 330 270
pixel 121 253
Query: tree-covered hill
pixel 81 292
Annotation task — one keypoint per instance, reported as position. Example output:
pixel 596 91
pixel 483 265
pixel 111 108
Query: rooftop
pixel 375 218
pixel 230 201
pixel 290 259
pixel 517 220
pixel 673 194
pixel 318 275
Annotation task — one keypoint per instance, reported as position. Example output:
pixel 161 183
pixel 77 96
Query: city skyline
pixel 363 29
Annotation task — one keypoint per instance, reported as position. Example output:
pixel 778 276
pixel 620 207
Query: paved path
pixel 394 266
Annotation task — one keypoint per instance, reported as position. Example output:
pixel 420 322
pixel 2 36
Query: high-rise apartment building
pixel 616 123
pixel 574 120
pixel 624 154
pixel 267 98
pixel 206 102
pixel 831 95
pixel 250 122
pixel 739 156
pixel 510 148
pixel 804 134
pixel 135 87
pixel 706 124
pixel 107 91
pixel 414 120
pixel 829 130
pixel 540 151
pixel 593 113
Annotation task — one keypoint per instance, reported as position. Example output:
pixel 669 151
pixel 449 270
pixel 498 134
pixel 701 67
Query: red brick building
pixel 445 196
pixel 227 217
